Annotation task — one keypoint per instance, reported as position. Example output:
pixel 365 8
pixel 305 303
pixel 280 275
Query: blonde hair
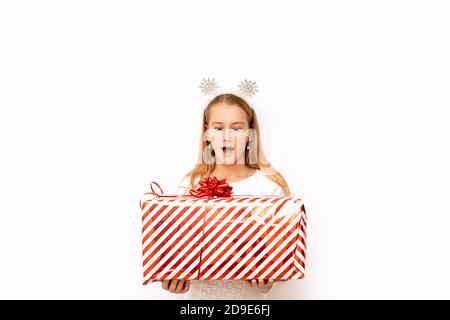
pixel 204 169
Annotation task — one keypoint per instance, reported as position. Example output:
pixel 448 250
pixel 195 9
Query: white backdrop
pixel 99 98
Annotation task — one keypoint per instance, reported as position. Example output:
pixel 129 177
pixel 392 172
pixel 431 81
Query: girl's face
pixel 228 131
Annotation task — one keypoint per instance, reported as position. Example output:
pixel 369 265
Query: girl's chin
pixel 229 160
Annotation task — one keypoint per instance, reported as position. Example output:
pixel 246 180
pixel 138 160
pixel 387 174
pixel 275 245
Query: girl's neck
pixel 232 172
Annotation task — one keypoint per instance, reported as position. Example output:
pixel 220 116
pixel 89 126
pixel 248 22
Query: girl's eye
pixel 234 129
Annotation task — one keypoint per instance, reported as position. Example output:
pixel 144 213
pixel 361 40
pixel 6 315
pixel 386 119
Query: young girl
pixel 230 149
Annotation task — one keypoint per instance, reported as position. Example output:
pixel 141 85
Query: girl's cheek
pixel 215 139
pixel 216 134
pixel 240 142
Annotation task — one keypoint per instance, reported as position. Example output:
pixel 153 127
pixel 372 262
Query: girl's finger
pixel 180 286
pixel 165 284
pixel 187 284
pixel 253 282
pixel 173 285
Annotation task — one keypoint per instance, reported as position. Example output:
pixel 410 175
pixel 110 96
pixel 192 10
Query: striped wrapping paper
pixel 239 237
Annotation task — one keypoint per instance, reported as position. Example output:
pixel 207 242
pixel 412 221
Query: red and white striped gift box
pixel 238 237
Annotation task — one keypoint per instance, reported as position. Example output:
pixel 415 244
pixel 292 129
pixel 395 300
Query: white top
pixel 256 184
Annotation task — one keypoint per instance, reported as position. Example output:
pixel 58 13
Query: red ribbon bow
pixel 213 187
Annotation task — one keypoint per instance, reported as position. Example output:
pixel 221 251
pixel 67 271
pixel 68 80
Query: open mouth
pixel 227 150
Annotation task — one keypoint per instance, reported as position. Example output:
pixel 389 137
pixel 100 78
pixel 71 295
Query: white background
pixel 99 98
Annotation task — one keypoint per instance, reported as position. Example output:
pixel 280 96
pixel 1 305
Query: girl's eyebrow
pixel 231 123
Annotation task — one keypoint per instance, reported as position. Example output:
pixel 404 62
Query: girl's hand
pixel 263 286
pixel 176 286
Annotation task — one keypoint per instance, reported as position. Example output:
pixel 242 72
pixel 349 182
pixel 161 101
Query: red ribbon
pixel 152 192
pixel 212 187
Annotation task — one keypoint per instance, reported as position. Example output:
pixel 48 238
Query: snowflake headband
pixel 246 87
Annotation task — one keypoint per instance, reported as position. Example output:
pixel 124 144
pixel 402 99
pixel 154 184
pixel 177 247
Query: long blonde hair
pixel 204 169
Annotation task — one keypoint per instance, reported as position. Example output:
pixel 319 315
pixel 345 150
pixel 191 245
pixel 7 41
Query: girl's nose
pixel 227 135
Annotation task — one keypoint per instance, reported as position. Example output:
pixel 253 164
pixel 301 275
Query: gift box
pixel 215 235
